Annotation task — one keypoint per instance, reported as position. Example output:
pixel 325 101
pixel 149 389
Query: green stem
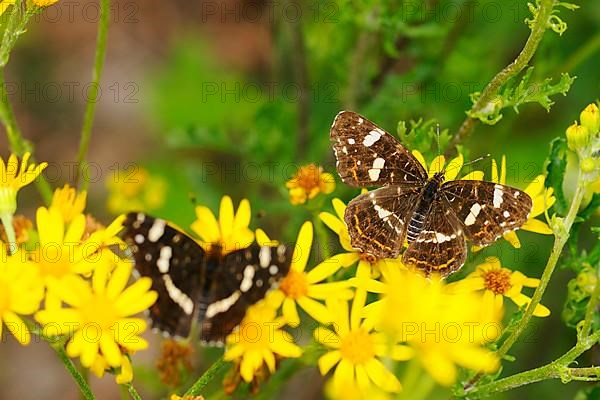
pixel 561 238
pixel 15 27
pixel 206 378
pixel 556 369
pixel 90 109
pixel 7 222
pixel 58 345
pixel 132 392
pixel 514 68
pixel 86 392
pixel 592 306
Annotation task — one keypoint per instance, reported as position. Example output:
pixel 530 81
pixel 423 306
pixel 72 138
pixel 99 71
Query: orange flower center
pixel 295 284
pixel 308 177
pixel 497 280
pixel 357 347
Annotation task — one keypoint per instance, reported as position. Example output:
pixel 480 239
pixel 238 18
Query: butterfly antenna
pixel 477 160
pixel 437 130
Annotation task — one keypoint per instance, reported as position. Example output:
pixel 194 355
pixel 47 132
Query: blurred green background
pixel 230 97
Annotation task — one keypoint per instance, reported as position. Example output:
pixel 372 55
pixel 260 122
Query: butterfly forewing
pixel 368 156
pixel 244 278
pixel 377 221
pixel 487 210
pixel 440 246
pixel 174 263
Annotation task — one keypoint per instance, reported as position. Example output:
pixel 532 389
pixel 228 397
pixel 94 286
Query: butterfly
pixel 434 217
pixel 209 288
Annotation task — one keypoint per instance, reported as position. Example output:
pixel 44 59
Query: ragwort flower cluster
pixel 67 278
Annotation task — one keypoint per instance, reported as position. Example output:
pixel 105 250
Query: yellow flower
pixel 62 249
pixel 444 329
pixel 451 170
pixel 13 177
pixel 308 182
pixel 63 252
pixel 356 350
pixel 304 288
pixel 135 189
pixel 231 232
pixel 175 397
pixel 542 198
pixel 44 3
pixel 69 202
pixel 366 262
pixel 21 292
pixel 99 318
pixel 258 339
pixel 497 283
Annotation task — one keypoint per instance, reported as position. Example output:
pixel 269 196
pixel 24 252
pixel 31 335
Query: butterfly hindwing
pixel 377 221
pixel 244 278
pixel 440 246
pixel 174 262
pixel 368 156
pixel 487 210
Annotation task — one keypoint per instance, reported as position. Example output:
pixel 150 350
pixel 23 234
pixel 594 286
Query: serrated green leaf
pixel 556 167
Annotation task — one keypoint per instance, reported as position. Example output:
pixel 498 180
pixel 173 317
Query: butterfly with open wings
pixel 195 285
pixel 435 218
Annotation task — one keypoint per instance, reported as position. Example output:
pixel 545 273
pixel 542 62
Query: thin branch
pixel 559 242
pixel 206 378
pixel 18 144
pixel 514 68
pixel 92 100
pixel 556 369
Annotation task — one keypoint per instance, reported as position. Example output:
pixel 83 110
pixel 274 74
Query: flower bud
pixel 578 136
pixel 590 118
pixel 588 165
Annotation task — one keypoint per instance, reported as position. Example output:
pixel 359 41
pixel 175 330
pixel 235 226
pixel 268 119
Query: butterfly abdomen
pixel 417 221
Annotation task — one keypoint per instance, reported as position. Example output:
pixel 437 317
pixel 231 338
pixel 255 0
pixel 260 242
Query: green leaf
pixel 556 167
pixel 516 95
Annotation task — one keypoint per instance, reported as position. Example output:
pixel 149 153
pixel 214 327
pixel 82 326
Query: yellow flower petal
pixel 17 327
pixel 328 360
pixel 420 158
pixel 330 266
pixel 110 351
pixel 315 309
pixel 206 226
pixel 327 337
pixel 437 165
pixel 468 284
pixel 290 313
pixel 382 377
pixel 513 239
pixel 332 222
pixel 339 207
pixel 439 367
pixel 226 217
pixel 454 167
pixel 302 248
pixel 537 226
pixel 473 176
